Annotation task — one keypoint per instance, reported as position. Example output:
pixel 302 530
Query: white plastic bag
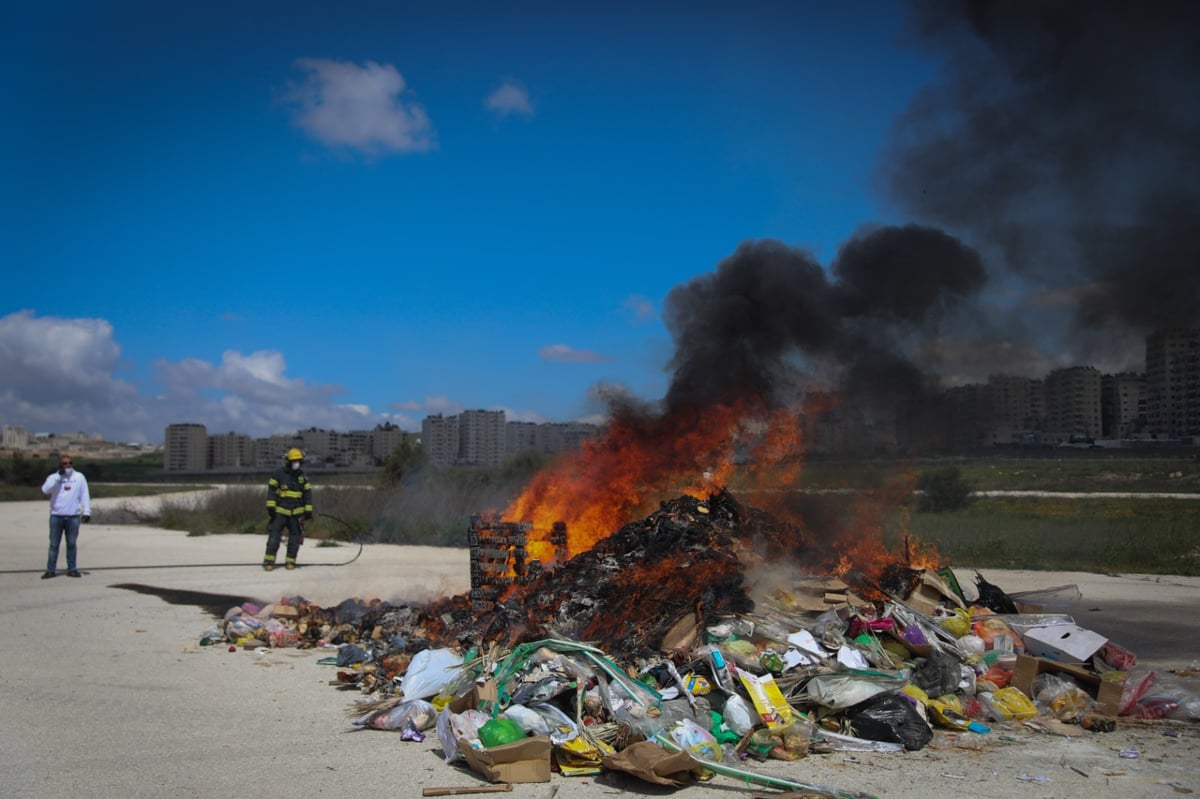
pixel 530 720
pixel 739 716
pixel 429 671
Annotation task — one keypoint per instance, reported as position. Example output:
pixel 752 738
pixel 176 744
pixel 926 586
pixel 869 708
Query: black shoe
pixel 73 573
pixel 47 575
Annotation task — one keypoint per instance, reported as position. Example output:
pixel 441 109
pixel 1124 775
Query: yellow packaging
pixel 581 758
pixel 959 624
pixel 1010 704
pixel 768 700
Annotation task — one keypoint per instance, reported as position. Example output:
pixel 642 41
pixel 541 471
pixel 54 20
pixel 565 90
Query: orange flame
pixel 643 459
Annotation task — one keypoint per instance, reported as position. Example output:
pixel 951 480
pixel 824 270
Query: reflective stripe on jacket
pixel 289 493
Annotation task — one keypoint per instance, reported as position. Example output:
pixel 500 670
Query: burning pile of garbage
pixel 655 653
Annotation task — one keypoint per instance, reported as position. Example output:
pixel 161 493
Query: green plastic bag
pixel 498 731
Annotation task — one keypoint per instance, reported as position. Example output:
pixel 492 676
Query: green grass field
pixel 1152 536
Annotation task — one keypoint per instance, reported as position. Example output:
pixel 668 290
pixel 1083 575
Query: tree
pixel 405 459
pixel 942 490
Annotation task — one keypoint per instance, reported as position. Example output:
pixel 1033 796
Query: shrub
pixel 943 489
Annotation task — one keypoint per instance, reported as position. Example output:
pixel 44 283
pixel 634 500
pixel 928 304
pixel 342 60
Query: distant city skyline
pixel 1069 403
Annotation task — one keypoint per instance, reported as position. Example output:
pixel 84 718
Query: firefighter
pixel 289 504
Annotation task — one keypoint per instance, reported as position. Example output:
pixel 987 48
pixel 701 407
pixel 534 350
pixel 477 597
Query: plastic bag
pixel 1138 683
pixel 892 718
pixel 532 722
pixel 696 740
pixel 939 674
pixel 995 633
pixel 241 627
pixel 429 671
pixel 417 712
pixel 1061 697
pixel 785 743
pixel 453 726
pixel 959 624
pixel 562 727
pixel 1184 692
pixel 839 691
pixel 500 731
pixel 1008 704
pixel 739 716
pixel 349 654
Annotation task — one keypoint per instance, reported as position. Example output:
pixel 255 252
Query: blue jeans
pixel 58 526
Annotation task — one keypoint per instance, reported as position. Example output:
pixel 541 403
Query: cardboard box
pixel 932 593
pixel 1107 694
pixel 1064 642
pixel 520 761
pixel 482 696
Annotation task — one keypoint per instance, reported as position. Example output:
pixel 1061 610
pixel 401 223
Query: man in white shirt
pixel 69 502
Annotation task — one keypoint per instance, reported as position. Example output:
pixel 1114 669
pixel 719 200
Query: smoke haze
pixel 1061 141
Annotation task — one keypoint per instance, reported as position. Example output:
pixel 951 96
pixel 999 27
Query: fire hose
pixel 256 564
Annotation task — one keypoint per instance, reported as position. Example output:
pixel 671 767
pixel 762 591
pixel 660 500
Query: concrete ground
pixel 105 690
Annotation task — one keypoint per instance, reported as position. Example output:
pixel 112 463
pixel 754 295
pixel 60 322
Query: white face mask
pixel 295 466
pixel 68 471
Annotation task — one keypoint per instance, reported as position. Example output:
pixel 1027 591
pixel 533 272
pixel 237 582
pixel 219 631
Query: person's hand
pixel 307 517
pixel 87 517
pixel 62 471
pixel 270 513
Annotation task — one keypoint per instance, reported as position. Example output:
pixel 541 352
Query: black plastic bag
pixel 349 654
pixel 939 674
pixel 892 718
pixel 992 598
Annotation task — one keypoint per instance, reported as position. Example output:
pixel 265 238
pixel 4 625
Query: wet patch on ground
pixel 213 604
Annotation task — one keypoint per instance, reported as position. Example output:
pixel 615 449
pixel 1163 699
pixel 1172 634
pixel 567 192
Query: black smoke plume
pixel 1062 140
pixel 770 316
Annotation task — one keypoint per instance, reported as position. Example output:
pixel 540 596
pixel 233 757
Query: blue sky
pixel 272 215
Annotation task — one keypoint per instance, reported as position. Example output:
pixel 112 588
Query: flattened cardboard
pixel 521 761
pixel 1107 694
pixel 931 593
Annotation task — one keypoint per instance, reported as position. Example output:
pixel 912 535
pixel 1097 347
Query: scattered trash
pixel 687 678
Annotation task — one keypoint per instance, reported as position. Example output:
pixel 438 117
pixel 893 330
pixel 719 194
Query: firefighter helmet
pixel 294 454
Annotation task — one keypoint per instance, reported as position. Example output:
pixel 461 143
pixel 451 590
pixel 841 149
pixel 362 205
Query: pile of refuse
pixel 593 667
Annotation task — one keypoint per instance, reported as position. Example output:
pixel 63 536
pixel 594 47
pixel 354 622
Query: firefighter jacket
pixel 289 493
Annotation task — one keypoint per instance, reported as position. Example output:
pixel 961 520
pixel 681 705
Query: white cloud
pixel 59 377
pixel 344 105
pixel 58 373
pixel 430 405
pixel 639 307
pixel 509 98
pixel 564 354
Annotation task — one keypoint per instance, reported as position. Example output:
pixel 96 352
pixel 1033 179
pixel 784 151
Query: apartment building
pixel 269 452
pixel 185 448
pixel 385 438
pixel 439 439
pixel 230 451
pixel 1123 405
pixel 16 437
pixel 481 438
pixel 1173 382
pixel 1073 403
